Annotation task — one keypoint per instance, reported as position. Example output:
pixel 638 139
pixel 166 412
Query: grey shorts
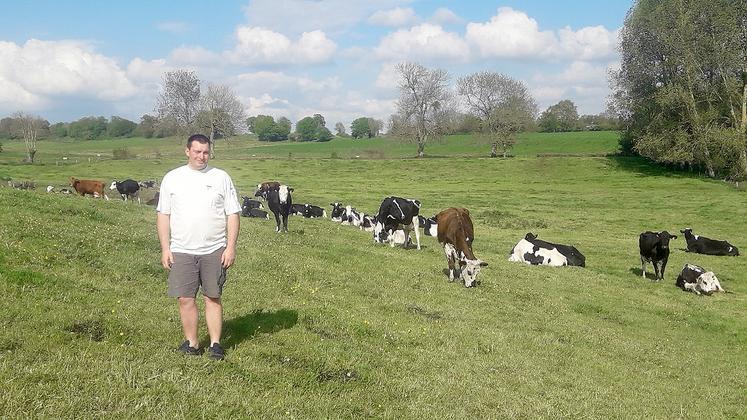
pixel 190 272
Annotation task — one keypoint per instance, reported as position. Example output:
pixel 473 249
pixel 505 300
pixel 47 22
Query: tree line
pixel 682 86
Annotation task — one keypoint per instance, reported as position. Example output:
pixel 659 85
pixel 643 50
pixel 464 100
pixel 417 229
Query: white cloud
pixel 585 83
pixel 396 17
pixel 173 27
pixel 513 34
pixel 388 77
pixel 510 33
pixel 257 46
pixel 426 41
pixel 445 16
pixel 297 16
pixel 140 70
pixel 34 72
pixel 266 81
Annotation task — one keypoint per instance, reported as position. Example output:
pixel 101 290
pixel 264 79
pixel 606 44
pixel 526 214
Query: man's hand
pixel 228 257
pixel 167 259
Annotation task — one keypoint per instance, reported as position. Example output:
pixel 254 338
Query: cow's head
pixel 114 185
pixel 664 238
pixel 575 257
pixel 685 231
pixel 380 234
pixel 469 270
pixel 337 210
pixel 708 283
pixel 73 181
pixel 530 236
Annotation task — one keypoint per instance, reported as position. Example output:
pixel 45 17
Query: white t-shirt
pixel 198 203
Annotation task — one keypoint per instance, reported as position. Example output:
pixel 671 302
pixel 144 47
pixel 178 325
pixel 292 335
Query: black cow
pixel 430 226
pixel 255 213
pixel 703 245
pixel 248 203
pixel 280 203
pixel 533 251
pixel 397 213
pixel 337 213
pixel 298 210
pixel 654 248
pixel 312 211
pixel 127 188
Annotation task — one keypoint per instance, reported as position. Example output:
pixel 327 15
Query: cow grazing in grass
pixel 280 203
pixel 397 213
pixel 127 188
pixel 88 186
pixel 456 234
pixel 430 226
pixel 654 248
pixel 703 245
pixel 697 280
pixel 337 213
pixel 533 251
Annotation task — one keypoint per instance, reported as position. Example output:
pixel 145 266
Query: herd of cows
pixel 398 217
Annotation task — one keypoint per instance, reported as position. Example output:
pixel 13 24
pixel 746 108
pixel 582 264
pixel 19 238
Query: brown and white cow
pixel 456 234
pixel 265 187
pixel 88 186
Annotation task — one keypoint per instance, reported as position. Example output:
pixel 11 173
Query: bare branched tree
pixel 221 113
pixel 504 106
pixel 27 126
pixel 179 98
pixel 424 95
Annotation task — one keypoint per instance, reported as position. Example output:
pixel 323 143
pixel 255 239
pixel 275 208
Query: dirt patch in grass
pixel 424 313
pixel 314 326
pixel 336 374
pixel 506 220
pixel 94 330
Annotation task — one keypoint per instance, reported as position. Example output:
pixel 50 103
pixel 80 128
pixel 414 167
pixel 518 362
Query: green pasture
pixel 323 323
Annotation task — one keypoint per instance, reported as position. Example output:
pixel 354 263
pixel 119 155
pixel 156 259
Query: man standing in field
pixel 198 225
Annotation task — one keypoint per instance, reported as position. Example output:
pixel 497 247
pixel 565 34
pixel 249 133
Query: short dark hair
pixel 199 138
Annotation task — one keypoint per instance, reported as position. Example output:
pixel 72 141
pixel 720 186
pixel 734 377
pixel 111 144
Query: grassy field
pixel 321 322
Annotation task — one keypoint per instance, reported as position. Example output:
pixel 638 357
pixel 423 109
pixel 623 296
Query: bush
pixel 122 154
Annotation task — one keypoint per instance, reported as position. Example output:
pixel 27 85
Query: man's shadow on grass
pixel 247 326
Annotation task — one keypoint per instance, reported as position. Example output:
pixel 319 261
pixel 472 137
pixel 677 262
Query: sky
pixel 64 60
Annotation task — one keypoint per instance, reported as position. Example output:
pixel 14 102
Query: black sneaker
pixel 215 352
pixel 188 350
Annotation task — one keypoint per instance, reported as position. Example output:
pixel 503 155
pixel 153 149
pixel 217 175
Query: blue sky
pixel 293 58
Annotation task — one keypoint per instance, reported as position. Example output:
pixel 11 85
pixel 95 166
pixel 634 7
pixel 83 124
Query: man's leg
pixel 214 318
pixel 189 316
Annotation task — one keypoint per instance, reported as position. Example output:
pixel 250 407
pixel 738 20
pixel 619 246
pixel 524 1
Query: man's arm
pixel 232 235
pixel 164 236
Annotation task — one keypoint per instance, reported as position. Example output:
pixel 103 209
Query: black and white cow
pixel 280 203
pixel 313 211
pixel 533 251
pixel 397 213
pixel 261 214
pixel 127 188
pixel 696 279
pixel 351 216
pixel 430 226
pixel 654 248
pixel 298 210
pixel 337 213
pixel 247 204
pixel 368 223
pixel 148 183
pixel 703 245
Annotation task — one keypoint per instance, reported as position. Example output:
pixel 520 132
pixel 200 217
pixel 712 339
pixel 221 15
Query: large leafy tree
pixel 313 129
pixel 267 129
pixel 562 116
pixel 682 84
pixel 503 104
pixel 120 127
pixel 423 103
